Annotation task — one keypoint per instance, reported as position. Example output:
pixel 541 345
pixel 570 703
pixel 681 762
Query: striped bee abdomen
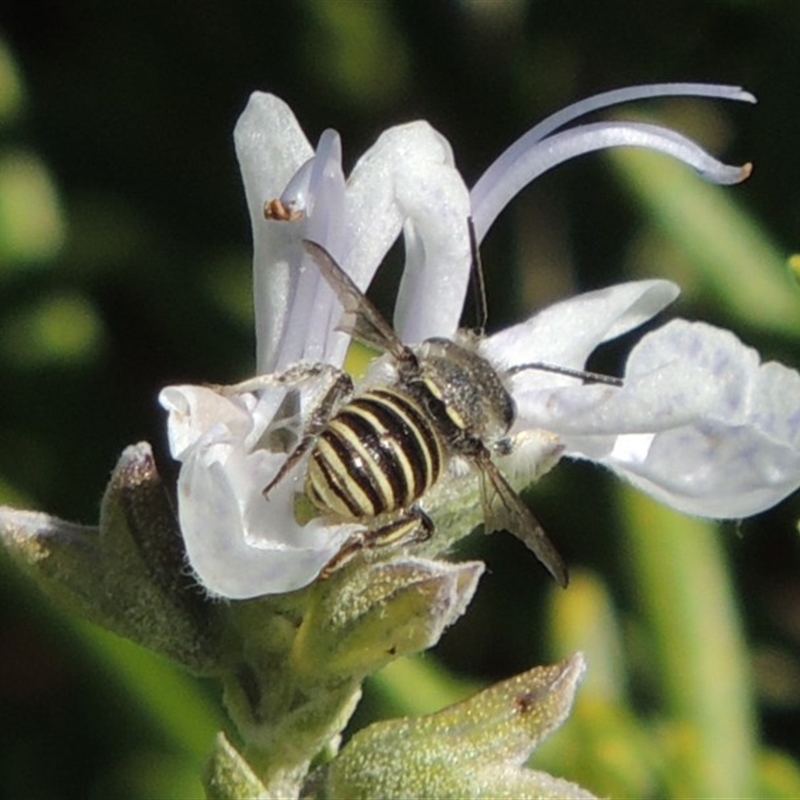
pixel 378 454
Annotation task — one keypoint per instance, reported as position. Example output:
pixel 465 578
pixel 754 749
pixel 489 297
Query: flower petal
pixel 526 158
pixel 195 409
pixel 239 543
pixel 566 333
pixel 699 423
pixel 310 333
pixel 711 469
pixel 408 178
pixel 508 177
pixel 740 453
pixel 271 148
pixel 629 94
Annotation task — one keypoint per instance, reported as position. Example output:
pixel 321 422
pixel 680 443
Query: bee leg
pixel 342 385
pixel 294 374
pixel 413 527
pixel 352 546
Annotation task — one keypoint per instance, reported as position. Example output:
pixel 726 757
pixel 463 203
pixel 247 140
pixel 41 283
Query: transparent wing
pixel 504 509
pixel 361 319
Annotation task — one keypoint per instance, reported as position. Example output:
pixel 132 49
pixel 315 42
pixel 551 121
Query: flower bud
pixel 475 748
pixel 381 611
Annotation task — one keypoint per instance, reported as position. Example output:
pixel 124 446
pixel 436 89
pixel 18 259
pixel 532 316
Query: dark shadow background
pixel 131 105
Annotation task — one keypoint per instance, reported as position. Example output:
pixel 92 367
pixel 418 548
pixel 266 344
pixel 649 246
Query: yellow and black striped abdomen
pixel 379 453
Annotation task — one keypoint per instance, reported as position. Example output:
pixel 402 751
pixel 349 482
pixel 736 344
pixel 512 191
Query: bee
pixel 375 453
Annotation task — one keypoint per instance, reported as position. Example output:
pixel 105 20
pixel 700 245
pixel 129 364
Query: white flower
pixel 698 422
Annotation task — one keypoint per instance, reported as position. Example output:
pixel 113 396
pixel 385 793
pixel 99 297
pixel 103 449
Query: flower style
pixel 698 423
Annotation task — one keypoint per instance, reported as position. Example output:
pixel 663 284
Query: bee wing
pixel 504 510
pixel 361 319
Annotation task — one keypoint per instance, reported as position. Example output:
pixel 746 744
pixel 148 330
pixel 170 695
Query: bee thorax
pixel 469 388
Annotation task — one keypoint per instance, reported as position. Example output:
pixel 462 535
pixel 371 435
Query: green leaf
pixel 128 573
pixel 686 599
pixel 474 749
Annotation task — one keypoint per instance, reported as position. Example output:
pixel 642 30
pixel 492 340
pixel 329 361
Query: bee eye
pixel 510 411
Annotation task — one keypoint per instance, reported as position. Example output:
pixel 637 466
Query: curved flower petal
pixel 699 423
pixel 740 451
pixel 502 181
pixel 566 333
pixel 528 157
pixel 627 94
pixel 235 545
pixel 311 334
pixel 408 178
pixel 239 544
pixel 271 148
pixel 193 410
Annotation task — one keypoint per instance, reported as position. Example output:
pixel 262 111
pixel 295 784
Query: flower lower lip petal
pixel 713 470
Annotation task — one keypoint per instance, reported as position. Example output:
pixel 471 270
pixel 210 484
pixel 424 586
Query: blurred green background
pixel 125 266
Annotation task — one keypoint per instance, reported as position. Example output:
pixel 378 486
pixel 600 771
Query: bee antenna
pixel 581 374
